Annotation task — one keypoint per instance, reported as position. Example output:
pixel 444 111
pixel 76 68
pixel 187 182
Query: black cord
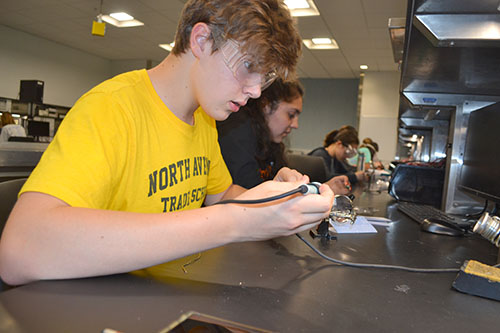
pixel 476 215
pixel 353 264
pixel 309 188
pixel 300 189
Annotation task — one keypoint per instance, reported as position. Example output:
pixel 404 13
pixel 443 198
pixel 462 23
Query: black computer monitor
pixel 480 174
pixel 38 128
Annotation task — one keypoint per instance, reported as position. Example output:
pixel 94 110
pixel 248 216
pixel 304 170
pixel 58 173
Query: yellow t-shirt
pixel 121 148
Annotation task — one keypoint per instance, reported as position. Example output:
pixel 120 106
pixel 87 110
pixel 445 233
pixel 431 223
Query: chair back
pixel 8 197
pixel 313 166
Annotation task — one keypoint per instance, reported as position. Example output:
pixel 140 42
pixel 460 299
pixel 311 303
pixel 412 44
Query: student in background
pixel 122 184
pixel 337 147
pixel 372 147
pixel 369 150
pixel 10 128
pixel 252 140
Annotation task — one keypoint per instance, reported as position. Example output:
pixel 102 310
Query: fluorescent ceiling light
pixel 321 41
pixel 121 16
pixel 297 4
pixel 167 47
pixel 121 20
pixel 321 44
pixel 302 7
pixel 363 66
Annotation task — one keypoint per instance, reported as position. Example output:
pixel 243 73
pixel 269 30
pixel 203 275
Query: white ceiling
pixel 360 27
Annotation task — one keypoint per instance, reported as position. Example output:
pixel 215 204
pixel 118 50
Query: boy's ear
pixel 200 41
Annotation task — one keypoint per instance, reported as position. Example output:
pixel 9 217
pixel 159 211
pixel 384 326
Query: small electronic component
pixel 342 210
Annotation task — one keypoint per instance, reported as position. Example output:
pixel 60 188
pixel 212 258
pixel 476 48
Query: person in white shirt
pixel 10 128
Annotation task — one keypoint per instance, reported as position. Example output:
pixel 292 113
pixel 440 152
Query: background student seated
pixel 10 128
pixel 252 140
pixel 337 147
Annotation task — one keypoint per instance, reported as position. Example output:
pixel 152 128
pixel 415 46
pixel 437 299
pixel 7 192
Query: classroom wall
pixel 67 72
pixel 122 66
pixel 328 104
pixel 379 111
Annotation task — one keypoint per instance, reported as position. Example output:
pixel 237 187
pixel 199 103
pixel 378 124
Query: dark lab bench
pixel 279 285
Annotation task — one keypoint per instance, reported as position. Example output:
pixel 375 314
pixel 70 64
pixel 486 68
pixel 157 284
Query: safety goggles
pixel 242 67
pixel 349 151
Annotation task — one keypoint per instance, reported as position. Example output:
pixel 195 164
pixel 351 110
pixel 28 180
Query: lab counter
pixel 18 159
pixel 279 285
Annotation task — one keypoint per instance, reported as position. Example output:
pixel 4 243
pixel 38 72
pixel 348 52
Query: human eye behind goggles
pixel 244 69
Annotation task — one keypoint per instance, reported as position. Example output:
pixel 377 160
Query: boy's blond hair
pixel 264 29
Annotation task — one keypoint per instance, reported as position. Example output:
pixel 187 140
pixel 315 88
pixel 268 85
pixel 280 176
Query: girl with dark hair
pixel 338 146
pixel 251 140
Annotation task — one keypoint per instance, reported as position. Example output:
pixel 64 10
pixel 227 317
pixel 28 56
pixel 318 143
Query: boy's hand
pixel 282 217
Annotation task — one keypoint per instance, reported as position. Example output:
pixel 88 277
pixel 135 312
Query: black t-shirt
pixel 238 143
pixel 333 165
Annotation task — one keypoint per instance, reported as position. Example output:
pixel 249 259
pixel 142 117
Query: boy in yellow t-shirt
pixel 122 185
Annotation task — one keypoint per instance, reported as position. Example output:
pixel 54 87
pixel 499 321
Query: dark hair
pixel 344 135
pixel 349 128
pixel 278 92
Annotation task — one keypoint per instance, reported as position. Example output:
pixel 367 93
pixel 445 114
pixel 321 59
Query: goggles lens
pixel 242 67
pixel 349 151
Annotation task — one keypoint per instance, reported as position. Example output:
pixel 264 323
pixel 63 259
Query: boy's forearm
pixel 66 242
pixel 233 191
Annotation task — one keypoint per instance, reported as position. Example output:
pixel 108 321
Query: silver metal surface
pixel 460 30
pixel 464 77
pixel 456 6
pixel 397 35
pixel 16 154
pixel 18 159
pixel 456 201
pixel 488 226
pixel 435 135
pixel 471 70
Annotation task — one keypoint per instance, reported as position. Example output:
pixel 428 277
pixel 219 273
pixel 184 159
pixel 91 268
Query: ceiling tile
pixel 359 26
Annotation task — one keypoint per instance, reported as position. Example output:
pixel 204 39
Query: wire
pixel 309 188
pixel 476 215
pixel 353 264
pixel 301 189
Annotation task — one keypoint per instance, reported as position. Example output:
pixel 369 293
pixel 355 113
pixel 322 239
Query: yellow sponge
pixel 478 279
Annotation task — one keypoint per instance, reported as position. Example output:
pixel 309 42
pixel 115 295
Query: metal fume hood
pixel 451 52
pixel 397 35
pixel 460 30
pixel 451 63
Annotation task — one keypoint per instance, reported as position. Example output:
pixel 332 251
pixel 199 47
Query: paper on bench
pixel 360 226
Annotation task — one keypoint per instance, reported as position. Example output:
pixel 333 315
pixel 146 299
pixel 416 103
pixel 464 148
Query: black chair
pixel 313 166
pixel 8 194
pixel 8 197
